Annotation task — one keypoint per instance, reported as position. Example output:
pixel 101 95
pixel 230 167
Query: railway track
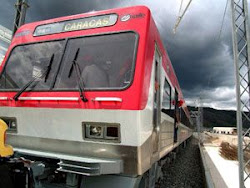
pixel 186 170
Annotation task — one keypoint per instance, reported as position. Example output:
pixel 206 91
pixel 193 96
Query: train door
pixel 176 117
pixel 157 100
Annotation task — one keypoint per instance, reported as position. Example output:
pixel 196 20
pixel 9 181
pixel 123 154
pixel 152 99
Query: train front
pixel 70 92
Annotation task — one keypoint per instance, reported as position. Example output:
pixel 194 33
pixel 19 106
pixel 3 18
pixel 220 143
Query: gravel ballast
pixel 186 170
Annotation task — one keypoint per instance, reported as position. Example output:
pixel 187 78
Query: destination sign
pixel 78 24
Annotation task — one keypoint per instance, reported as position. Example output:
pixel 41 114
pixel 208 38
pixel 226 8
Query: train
pixel 92 100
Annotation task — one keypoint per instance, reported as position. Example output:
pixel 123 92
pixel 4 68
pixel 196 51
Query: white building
pixel 225 130
pixel 5 39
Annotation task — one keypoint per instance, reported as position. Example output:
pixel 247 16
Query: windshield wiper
pixel 49 68
pixel 36 78
pixel 79 80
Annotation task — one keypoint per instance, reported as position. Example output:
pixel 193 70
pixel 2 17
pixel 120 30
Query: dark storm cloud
pixel 206 64
pixel 46 9
pixel 202 60
pixel 202 64
pixel 7 13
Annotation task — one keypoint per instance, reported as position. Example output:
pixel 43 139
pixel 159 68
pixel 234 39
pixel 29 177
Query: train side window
pixel 166 102
pixel 167 105
pixel 172 99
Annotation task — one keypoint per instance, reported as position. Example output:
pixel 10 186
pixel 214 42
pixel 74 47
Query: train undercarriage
pixel 25 171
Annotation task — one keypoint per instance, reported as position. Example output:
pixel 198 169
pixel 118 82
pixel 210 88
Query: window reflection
pixel 105 62
pixel 24 61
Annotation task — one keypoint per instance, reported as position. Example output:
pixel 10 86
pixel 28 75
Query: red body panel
pixel 133 98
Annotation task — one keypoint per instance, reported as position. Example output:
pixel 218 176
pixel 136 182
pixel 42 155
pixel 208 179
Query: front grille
pixel 88 169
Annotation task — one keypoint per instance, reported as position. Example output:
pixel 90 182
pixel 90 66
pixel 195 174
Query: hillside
pixel 218 118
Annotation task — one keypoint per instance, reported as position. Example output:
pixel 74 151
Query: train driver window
pixel 166 101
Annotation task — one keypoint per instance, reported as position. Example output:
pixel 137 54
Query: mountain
pixel 218 118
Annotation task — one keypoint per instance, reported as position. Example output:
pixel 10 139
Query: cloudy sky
pixel 202 60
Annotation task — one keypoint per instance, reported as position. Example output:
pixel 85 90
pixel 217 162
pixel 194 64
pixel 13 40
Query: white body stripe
pixel 3 98
pixel 49 98
pixel 115 99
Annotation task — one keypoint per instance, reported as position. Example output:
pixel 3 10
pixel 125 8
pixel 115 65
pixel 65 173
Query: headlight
pixel 94 131
pixel 101 131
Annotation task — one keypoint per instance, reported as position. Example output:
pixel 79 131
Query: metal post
pixel 21 6
pixel 242 75
pixel 201 124
pixel 198 126
pixel 24 7
pixel 197 116
pixel 17 17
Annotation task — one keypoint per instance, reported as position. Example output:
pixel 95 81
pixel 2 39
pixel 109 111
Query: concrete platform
pixel 219 172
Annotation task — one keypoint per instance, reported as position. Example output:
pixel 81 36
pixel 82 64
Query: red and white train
pixel 92 98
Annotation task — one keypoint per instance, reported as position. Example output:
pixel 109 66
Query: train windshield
pixel 28 60
pixel 103 62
